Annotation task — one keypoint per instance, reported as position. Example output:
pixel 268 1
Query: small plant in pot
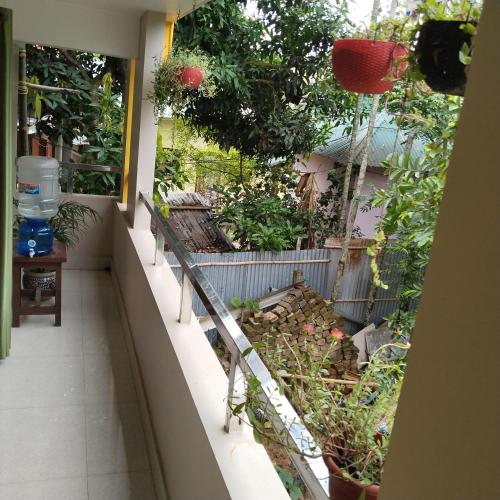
pixel 444 46
pixel 351 420
pixel 183 72
pixel 71 220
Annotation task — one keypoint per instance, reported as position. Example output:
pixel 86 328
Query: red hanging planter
pixel 191 77
pixel 368 66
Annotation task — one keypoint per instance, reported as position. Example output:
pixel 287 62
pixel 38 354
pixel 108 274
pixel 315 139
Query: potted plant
pixel 351 420
pixel 71 220
pixel 184 71
pixel 368 66
pixel 444 45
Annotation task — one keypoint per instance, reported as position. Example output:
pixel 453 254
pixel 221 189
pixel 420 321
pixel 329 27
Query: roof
pixel 387 139
pixel 191 219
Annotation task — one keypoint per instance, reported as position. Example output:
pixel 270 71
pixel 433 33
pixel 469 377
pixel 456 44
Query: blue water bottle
pixel 35 238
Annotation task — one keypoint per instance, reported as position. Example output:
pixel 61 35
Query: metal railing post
pixel 69 181
pixel 186 305
pixel 245 362
pixel 160 249
pixel 236 395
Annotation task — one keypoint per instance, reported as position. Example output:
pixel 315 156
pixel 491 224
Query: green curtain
pixel 6 166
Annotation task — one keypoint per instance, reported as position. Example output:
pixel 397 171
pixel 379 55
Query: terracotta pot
pixel 368 66
pixel 344 489
pixel 191 77
pixel 439 43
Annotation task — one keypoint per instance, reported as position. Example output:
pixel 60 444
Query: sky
pixel 360 10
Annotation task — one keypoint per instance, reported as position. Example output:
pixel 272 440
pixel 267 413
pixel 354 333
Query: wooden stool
pixel 53 262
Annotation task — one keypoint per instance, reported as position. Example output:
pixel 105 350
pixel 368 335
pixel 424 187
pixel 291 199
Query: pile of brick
pixel 293 316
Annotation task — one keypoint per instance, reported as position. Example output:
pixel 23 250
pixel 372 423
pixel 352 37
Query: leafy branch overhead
pixel 275 88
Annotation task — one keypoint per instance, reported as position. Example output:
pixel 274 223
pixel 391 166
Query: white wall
pixel 185 385
pixel 320 166
pixel 95 247
pixel 367 220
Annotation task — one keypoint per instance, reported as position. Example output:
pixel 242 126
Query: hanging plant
pixel 185 71
pixel 443 54
pixel 368 66
pixel 443 50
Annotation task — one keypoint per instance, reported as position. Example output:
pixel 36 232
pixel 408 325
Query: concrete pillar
pixel 447 434
pixel 144 129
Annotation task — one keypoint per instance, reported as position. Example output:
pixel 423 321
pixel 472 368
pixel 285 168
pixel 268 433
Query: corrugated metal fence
pixel 254 274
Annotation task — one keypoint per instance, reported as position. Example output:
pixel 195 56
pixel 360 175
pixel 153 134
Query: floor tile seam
pixel 46 356
pixel 10 483
pixel 40 407
pixel 85 437
pixel 112 403
pixel 128 471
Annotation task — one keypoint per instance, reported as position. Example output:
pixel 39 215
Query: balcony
pixel 124 401
pixel 70 420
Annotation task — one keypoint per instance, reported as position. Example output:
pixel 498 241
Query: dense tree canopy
pixel 276 94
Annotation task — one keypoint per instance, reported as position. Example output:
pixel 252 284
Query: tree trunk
pixel 392 10
pixel 353 210
pixel 350 161
pixel 375 11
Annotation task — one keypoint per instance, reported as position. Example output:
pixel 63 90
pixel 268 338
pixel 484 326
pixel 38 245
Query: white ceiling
pixel 104 26
pixel 172 8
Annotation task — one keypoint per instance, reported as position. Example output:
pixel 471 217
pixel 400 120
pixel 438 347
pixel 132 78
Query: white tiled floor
pixel 70 427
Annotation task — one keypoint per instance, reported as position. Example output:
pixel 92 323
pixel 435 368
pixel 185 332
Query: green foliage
pixel 275 86
pixel 247 304
pixel 168 89
pixel 411 201
pixel 169 168
pixel 96 113
pixel 71 115
pixel 353 426
pixel 454 10
pixel 71 220
pixel 292 485
pixel 263 214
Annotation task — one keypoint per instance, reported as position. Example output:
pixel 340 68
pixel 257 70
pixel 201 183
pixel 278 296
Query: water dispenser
pixel 38 198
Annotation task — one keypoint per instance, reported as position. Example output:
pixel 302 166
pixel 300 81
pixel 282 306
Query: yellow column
pixel 128 128
pixel 169 38
pixel 167 47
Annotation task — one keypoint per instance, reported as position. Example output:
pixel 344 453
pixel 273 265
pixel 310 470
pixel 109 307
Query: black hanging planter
pixel 437 53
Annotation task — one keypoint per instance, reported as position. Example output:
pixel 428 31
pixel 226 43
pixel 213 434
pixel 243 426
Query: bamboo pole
pixel 327 380
pixel 23 105
pixel 353 209
pixel 47 88
pixel 350 161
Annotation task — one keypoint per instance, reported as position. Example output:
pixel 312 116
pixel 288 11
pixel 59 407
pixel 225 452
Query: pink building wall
pixel 320 166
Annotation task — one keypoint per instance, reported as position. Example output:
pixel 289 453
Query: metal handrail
pixel 283 416
pixel 71 167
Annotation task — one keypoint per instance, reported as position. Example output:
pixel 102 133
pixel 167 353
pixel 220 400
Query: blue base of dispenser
pixel 35 238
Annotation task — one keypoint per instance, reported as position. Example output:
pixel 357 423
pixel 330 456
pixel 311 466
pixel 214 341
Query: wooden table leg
pixel 58 294
pixel 16 294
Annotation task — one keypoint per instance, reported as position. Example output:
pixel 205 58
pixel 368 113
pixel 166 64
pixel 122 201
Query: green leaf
pixel 464 56
pixel 247 351
pixel 236 302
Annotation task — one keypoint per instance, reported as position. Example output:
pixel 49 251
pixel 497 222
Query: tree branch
pixel 47 88
pixel 73 60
